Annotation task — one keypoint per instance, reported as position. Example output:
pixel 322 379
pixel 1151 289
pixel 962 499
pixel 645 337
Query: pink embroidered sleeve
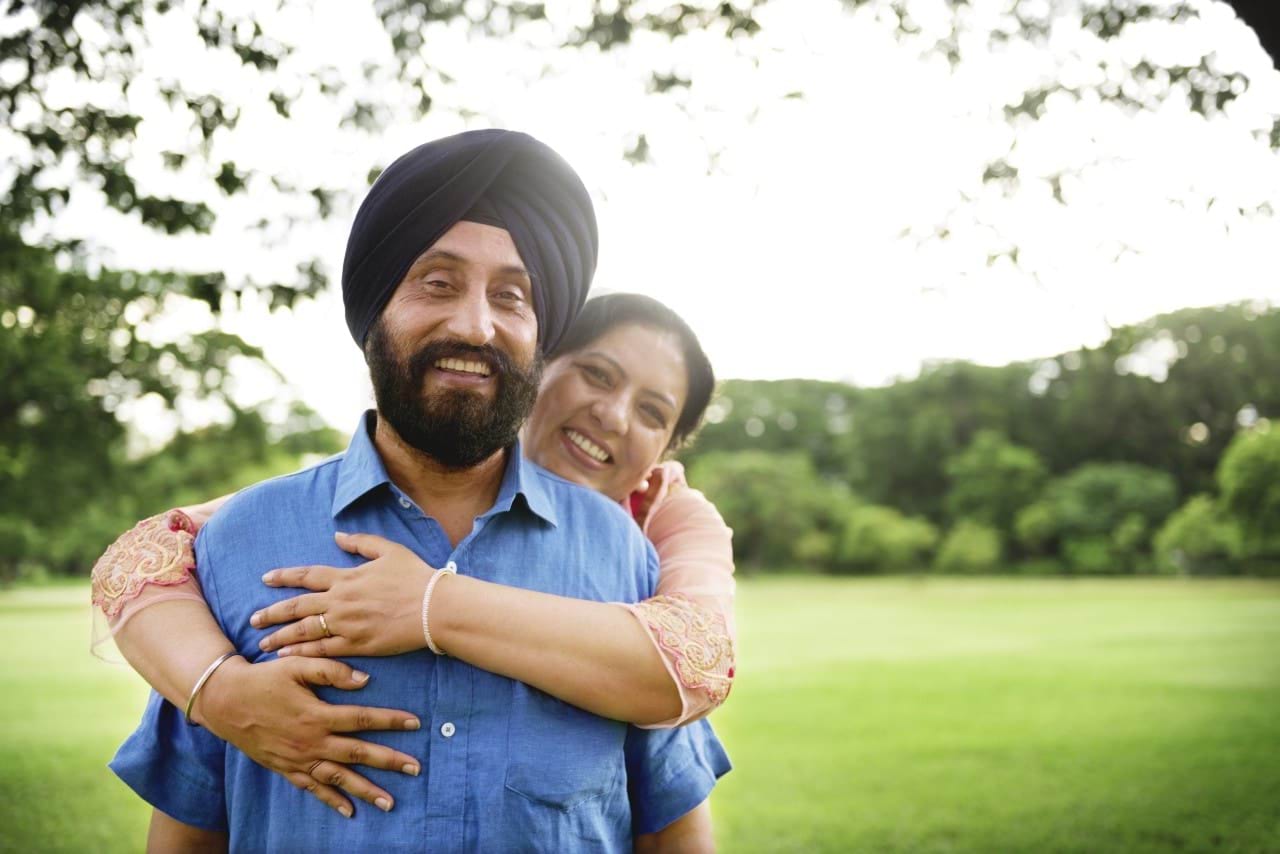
pixel 152 562
pixel 690 620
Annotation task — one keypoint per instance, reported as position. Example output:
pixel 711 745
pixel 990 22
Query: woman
pixel 629 383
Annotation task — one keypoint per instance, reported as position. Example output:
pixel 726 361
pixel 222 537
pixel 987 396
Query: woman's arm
pixel 152 603
pixel 664 662
pixel 689 834
pixel 691 619
pixel 167 835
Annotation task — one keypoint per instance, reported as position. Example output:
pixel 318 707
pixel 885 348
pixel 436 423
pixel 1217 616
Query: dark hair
pixel 604 313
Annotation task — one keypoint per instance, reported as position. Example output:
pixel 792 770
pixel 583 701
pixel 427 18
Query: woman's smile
pixel 585 450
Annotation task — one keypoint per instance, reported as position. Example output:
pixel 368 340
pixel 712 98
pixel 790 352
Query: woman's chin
pixel 568 470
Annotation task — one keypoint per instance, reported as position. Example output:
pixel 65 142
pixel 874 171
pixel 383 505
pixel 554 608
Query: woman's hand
pixel 373 609
pixel 268 711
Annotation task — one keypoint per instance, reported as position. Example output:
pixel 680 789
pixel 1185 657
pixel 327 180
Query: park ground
pixel 876 715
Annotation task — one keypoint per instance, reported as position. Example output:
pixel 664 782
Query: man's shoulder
pixel 308 490
pixel 583 503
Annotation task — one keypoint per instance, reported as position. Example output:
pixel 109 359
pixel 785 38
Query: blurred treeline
pixel 1150 453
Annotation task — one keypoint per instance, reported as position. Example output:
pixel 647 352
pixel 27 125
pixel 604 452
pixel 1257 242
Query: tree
pixel 1198 538
pixel 992 480
pixel 970 547
pixel 1102 514
pixel 881 539
pixel 1249 480
pixel 776 504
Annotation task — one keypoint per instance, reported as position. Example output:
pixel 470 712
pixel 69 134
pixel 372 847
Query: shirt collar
pixel 524 478
pixel 361 471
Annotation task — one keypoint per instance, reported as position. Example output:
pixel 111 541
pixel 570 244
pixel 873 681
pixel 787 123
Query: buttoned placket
pixel 449 706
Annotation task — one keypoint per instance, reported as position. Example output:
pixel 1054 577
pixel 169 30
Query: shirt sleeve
pixel 175 767
pixel 690 620
pixel 178 768
pixel 671 771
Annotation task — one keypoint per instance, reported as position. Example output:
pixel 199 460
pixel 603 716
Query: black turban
pixel 508 178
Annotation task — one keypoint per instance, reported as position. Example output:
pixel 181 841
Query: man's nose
pixel 472 320
pixel 611 413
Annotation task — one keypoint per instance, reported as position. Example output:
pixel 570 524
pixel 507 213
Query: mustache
pixel 499 362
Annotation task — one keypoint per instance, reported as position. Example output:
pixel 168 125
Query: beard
pixel 457 428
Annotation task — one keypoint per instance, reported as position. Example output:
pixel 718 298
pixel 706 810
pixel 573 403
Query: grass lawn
pixel 869 715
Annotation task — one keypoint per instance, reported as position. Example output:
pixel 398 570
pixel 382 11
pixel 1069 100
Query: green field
pixel 880 715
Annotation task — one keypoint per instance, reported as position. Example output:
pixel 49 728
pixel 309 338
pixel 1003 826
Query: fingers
pixel 370 546
pixel 288 610
pixel 308 632
pixel 326 794
pixel 311 577
pixel 361 718
pixel 325 648
pixel 353 751
pixel 325 671
pixel 337 776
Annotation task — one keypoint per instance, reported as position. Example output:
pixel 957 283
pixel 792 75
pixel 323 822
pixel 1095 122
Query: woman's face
pixel 605 413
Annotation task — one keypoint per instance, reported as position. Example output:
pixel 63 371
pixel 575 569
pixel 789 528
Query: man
pixel 470 256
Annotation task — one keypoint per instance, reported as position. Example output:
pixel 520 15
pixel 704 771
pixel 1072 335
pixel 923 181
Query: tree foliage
pixel 781 512
pixel 970 548
pixel 992 480
pixel 1249 477
pixel 1198 538
pixel 1101 442
pixel 881 539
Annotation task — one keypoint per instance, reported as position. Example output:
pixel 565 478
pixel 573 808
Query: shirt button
pixel 447 729
pixel 404 502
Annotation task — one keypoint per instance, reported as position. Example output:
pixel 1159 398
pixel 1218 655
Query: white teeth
pixel 466 367
pixel 589 447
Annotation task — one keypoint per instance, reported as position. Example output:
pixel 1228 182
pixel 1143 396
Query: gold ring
pixel 324 627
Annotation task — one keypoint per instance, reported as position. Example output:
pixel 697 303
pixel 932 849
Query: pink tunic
pixel 689 621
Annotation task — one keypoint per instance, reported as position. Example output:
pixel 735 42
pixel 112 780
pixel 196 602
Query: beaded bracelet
pixel 449 568
pixel 204 677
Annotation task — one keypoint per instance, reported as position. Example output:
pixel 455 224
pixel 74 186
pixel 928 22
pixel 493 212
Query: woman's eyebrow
pixel 662 396
pixel 605 357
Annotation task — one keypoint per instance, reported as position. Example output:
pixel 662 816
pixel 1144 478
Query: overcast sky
pixel 788 256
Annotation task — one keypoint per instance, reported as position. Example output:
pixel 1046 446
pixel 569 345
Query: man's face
pixel 454 357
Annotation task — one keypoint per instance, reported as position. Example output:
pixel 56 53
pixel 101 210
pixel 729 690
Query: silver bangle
pixel 204 677
pixel 449 568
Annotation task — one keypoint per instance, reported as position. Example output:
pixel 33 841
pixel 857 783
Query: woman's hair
pixel 607 312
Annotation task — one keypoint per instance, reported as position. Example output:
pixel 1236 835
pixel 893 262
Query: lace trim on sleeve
pixel 158 551
pixel 697 641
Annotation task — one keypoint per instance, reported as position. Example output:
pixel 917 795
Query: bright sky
pixel 788 257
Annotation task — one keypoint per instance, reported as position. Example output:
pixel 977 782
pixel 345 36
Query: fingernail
pixel 346 811
pixel 360 676
pixel 411 769
pixel 339 533
pixel 268 577
pixel 264 645
pixel 256 619
pixel 285 650
pixel 383 804
pixel 413 723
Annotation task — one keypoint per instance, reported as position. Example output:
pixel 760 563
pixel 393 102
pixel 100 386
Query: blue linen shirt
pixel 505 767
